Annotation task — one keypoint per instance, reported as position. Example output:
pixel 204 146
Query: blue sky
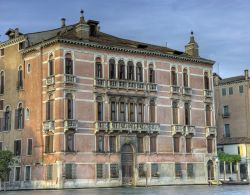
pixel 221 27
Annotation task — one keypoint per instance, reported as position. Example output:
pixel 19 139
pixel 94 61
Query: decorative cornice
pixel 12 41
pixel 233 82
pixel 115 48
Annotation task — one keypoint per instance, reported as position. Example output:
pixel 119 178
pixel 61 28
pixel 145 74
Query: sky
pixel 221 27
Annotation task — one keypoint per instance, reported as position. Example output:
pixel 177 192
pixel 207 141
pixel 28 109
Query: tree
pixel 6 161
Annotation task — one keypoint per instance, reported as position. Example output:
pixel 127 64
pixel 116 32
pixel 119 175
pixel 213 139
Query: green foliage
pixel 6 160
pixel 228 157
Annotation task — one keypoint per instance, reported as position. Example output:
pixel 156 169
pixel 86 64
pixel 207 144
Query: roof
pixel 233 140
pixel 232 79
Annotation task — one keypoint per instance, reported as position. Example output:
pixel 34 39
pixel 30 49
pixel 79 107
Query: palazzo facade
pixel 81 108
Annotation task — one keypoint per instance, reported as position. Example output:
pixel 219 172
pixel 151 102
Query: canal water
pixel 155 190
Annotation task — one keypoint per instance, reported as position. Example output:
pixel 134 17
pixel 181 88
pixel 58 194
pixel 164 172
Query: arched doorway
pixel 127 164
pixel 210 170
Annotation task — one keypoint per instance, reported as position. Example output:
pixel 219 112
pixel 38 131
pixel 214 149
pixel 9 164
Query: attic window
pixel 2 52
pixel 142 46
pixel 21 45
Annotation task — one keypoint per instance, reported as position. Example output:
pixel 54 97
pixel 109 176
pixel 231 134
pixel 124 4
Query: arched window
pixel 206 80
pixel 152 111
pixel 187 113
pixel 28 68
pixel 208 115
pixel 112 69
pixel 121 68
pixel 69 139
pixel 69 106
pixel 151 74
pixel 173 76
pixel 68 64
pixel 51 65
pixel 139 72
pixel 130 71
pixel 175 112
pixel 2 83
pixel 19 117
pixel 99 108
pixel 20 78
pixel 7 119
pixel 98 68
pixel 185 78
pixel 49 108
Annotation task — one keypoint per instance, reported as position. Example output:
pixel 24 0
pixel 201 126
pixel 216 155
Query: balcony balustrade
pixel 177 129
pixel 175 89
pixel 69 79
pixel 100 82
pixel 210 131
pixel 152 87
pixel 70 124
pixel 189 130
pixel 128 126
pixel 50 80
pixel 49 125
pixel 208 93
pixel 187 91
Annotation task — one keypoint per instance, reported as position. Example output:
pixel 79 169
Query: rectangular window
pixel 29 151
pixel 1 146
pixel 225 110
pixel 2 52
pixel 187 114
pixel 178 172
pixel 176 144
pixel 99 111
pixel 113 113
pixel 175 112
pixel 132 112
pixel 152 113
pixel 17 173
pixel 241 89
pixel 140 113
pixel 100 143
pixel 70 144
pixel 142 173
pixel 227 130
pixel 122 112
pixel 1 104
pixel 190 170
pixel 17 147
pixel 231 91
pixel 49 144
pixel 209 145
pixel 68 171
pixel 21 45
pixel 152 144
pixel 112 144
pixel 224 91
pixel 27 173
pixel 114 171
pixel 154 170
pixel 188 144
pixel 140 144
pixel 49 109
pixel 99 171
pixel 49 172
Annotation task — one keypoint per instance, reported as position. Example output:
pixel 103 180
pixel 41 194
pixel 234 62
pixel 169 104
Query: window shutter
pixel 16 118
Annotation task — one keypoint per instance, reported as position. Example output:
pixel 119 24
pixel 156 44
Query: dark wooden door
pixel 127 161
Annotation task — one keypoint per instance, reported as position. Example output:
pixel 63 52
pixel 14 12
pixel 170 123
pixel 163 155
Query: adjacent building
pixel 233 121
pixel 82 108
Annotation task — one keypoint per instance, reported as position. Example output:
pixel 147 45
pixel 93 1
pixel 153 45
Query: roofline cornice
pixel 12 41
pixel 115 48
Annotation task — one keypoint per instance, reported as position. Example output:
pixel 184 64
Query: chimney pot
pixel 246 74
pixel 63 22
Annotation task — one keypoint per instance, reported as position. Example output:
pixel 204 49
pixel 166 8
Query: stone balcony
pixel 131 127
pixel 126 84
pixel 50 80
pixel 175 90
pixel 187 91
pixel 177 129
pixel 70 124
pixel 49 125
pixel 208 93
pixel 210 131
pixel 189 130
pixel 69 79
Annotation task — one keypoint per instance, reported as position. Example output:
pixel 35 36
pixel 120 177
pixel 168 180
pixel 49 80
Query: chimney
pixel 82 29
pixel 63 22
pixel 16 32
pixel 93 27
pixel 192 47
pixel 246 74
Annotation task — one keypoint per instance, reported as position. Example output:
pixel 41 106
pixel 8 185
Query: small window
pixel 152 144
pixel 69 139
pixel 231 91
pixel 190 170
pixel 241 89
pixel 27 114
pixel 100 143
pixel 28 68
pixel 227 130
pixel 99 171
pixel 114 171
pixel 17 147
pixel 224 92
pixel 154 170
pixel 2 82
pixel 49 144
pixel 49 172
pixel 17 173
pixel 1 146
pixel 188 144
pixel 69 171
pixel 176 144
pixel 30 145
pixel 21 45
pixel 178 173
pixel 1 104
pixel 112 144
pixel 209 145
pixel 2 52
pixel 225 110
pixel 27 173
pixel 140 144
pixel 142 173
